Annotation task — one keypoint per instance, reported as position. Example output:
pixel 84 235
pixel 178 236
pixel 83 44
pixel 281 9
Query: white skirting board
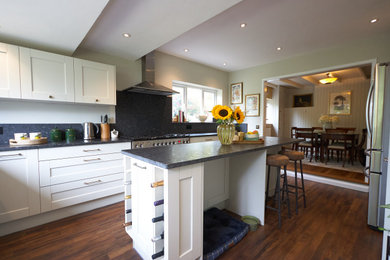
pixel 338 183
pixel 36 220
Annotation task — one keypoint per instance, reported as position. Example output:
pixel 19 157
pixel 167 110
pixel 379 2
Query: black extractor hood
pixel 148 86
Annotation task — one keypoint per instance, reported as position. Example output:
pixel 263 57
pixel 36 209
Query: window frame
pixel 185 85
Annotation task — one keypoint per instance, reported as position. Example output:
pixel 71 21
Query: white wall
pixel 357 51
pixel 308 116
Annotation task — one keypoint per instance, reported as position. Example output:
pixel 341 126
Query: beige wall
pixel 308 116
pixel 353 52
pixel 169 68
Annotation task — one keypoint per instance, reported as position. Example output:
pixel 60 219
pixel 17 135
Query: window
pixel 193 100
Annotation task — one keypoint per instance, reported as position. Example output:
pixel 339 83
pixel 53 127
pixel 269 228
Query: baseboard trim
pixel 334 182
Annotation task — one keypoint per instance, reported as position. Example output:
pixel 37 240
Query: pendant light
pixel 328 80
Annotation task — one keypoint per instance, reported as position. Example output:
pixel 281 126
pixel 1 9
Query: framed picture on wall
pixel 252 105
pixel 340 103
pixel 303 100
pixel 236 93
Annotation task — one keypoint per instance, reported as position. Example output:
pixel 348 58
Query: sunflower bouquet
pixel 225 115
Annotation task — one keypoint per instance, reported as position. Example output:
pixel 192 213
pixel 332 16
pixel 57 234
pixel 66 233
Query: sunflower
pixel 238 115
pixel 213 111
pixel 223 112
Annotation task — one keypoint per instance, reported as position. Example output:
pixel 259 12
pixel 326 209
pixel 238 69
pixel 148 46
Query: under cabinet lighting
pixel 126 35
pixel 186 50
pixel 243 25
pixel 224 64
pixel 374 20
pixel 279 48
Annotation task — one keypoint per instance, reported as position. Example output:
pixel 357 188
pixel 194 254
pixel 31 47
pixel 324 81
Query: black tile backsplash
pixel 136 115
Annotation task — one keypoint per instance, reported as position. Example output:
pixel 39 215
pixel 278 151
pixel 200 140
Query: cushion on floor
pixel 221 232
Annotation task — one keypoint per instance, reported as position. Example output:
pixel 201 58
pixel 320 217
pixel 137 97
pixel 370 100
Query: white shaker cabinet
pixel 94 82
pixel 9 71
pixel 19 184
pixel 46 76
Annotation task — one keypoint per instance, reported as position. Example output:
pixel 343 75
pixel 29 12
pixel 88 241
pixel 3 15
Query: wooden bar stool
pixel 278 160
pixel 296 156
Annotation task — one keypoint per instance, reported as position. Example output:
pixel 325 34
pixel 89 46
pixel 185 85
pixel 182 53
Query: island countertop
pixel 168 157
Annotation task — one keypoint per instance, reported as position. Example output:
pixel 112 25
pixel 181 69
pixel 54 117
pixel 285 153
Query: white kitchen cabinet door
pixel 94 82
pixel 9 71
pixel 19 185
pixel 46 76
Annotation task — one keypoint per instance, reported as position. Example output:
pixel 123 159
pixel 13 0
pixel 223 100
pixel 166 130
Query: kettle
pixel 89 132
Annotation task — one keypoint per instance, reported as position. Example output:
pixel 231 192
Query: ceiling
pixel 210 30
pixel 359 72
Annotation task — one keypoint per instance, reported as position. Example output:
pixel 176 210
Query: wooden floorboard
pixel 343 175
pixel 333 226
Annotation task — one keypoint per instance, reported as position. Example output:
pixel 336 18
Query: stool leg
pixel 303 185
pixel 286 187
pixel 278 198
pixel 266 191
pixel 296 187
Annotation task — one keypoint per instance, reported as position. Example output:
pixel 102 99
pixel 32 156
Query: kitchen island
pixel 195 177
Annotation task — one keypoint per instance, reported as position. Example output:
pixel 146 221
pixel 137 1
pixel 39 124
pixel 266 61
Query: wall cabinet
pixel 9 71
pixel 46 76
pixel 19 184
pixel 37 75
pixel 94 82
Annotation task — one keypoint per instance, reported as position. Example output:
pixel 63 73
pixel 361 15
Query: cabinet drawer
pixel 82 150
pixel 66 170
pixel 71 193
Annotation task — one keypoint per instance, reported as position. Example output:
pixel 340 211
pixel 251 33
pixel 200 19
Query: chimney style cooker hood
pixel 148 86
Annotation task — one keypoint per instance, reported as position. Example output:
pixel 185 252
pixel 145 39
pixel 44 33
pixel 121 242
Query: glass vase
pixel 226 133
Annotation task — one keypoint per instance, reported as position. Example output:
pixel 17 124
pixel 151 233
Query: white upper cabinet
pixel 94 82
pixel 9 71
pixel 46 76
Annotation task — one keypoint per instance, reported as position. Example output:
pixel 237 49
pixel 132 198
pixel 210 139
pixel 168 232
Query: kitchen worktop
pixel 185 154
pixel 7 147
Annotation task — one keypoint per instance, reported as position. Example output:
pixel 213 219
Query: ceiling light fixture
pixel 224 64
pixel 374 20
pixel 243 25
pixel 186 50
pixel 126 35
pixel 328 80
pixel 279 48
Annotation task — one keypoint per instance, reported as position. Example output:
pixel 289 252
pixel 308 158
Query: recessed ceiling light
pixel 279 48
pixel 126 35
pixel 243 25
pixel 224 64
pixel 186 50
pixel 374 20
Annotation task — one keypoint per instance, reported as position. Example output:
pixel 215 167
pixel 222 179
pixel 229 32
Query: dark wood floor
pixel 343 175
pixel 333 226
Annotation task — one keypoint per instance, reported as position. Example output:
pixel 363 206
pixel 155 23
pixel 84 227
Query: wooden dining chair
pixel 309 143
pixel 340 143
pixel 359 149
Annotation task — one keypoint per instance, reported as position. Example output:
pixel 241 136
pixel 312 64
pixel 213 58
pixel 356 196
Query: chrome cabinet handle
pixel 93 182
pixel 91 150
pixel 141 167
pixel 9 155
pixel 94 159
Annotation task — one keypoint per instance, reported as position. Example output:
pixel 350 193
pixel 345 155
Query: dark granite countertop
pixel 6 147
pixel 185 154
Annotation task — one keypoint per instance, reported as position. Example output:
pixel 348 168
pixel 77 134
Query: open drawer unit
pixel 88 173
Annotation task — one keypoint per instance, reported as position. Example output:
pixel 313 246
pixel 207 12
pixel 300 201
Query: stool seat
pixel 294 155
pixel 277 160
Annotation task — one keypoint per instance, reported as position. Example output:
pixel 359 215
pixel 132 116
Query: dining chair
pixel 359 149
pixel 309 143
pixel 341 143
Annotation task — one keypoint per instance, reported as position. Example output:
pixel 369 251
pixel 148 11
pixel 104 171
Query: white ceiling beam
pixel 292 83
pixel 311 80
pixel 361 72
